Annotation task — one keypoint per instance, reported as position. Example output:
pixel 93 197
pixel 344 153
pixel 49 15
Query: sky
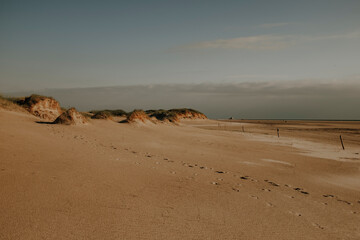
pixel 54 46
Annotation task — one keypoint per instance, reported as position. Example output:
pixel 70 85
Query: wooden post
pixel 342 144
pixel 278 133
pixel 243 128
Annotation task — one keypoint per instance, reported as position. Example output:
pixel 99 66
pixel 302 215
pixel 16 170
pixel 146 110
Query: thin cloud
pixel 267 42
pixel 348 36
pixel 260 42
pixel 242 77
pixel 271 25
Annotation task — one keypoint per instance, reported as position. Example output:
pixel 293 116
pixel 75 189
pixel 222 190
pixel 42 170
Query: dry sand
pixel 204 179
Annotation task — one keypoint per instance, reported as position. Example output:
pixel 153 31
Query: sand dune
pixel 202 179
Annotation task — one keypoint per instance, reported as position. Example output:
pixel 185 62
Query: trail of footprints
pixel 337 199
pixel 243 178
pixel 273 184
pixel 248 178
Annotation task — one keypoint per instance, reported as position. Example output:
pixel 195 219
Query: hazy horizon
pixel 304 99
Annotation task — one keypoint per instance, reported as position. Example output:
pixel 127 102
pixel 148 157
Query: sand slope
pixel 107 180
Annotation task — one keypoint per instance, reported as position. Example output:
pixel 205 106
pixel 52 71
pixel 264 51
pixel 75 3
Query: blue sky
pixel 245 58
pixel 65 44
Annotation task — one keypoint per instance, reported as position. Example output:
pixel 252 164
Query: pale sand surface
pixel 200 180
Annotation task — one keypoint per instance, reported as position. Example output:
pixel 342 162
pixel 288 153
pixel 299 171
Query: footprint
pixel 289 196
pixel 244 177
pixel 219 171
pixel 301 190
pixel 166 159
pixel 272 183
pixel 317 225
pixel 235 189
pixel 344 201
pixel 266 190
pixel 255 197
pixel 269 204
pixel 295 213
pixel 214 183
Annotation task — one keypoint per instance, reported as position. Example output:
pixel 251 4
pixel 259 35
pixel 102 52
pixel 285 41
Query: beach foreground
pixel 202 179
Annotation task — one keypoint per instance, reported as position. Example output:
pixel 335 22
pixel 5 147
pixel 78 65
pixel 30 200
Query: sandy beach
pixel 204 120
pixel 201 179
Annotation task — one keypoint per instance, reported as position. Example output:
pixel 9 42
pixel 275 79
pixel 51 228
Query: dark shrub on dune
pixel 187 113
pixel 105 114
pixel 184 110
pixel 162 115
pixel 31 100
pixel 174 115
pixel 101 115
pixel 10 104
